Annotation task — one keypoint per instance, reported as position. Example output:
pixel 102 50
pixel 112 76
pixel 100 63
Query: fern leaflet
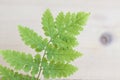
pixel 8 74
pixel 20 60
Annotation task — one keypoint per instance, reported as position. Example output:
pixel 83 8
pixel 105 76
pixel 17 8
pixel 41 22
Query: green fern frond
pixel 20 60
pixel 8 74
pixel 58 49
pixel 62 55
pixel 68 26
pixel 57 70
pixel 32 39
pixel 71 23
pixel 48 24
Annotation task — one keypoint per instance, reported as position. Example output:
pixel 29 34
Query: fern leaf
pixel 8 74
pixel 48 24
pixel 68 26
pixel 32 39
pixel 58 52
pixel 60 22
pixel 71 23
pixel 20 60
pixel 58 70
pixel 62 55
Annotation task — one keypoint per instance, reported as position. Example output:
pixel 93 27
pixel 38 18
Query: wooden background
pixel 99 62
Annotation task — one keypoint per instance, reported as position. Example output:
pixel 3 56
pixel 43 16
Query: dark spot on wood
pixel 106 38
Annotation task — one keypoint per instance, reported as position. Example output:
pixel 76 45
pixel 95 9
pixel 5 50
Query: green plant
pixel 54 53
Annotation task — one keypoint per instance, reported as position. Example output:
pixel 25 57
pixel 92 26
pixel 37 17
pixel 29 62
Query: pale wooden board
pixel 99 62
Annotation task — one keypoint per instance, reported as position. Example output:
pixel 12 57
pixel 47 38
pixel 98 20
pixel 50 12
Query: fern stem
pixel 39 73
pixel 41 66
pixel 42 60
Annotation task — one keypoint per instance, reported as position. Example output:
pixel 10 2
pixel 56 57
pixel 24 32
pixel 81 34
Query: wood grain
pixel 99 62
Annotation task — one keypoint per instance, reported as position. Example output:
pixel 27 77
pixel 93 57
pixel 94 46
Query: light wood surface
pixel 99 62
